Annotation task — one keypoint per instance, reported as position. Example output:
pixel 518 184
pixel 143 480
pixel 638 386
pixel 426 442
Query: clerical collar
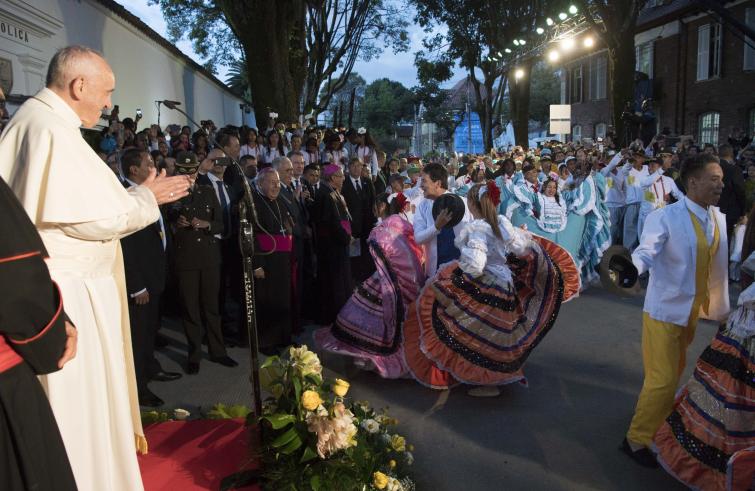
pixel 58 105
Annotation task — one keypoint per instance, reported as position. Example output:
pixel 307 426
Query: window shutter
pixel 749 61
pixel 703 49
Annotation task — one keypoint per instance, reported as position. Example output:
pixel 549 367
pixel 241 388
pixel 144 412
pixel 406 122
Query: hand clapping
pixel 167 189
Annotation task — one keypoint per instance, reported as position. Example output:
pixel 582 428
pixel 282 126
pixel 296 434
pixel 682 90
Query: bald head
pixel 84 80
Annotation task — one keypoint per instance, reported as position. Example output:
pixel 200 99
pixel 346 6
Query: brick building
pixel 698 70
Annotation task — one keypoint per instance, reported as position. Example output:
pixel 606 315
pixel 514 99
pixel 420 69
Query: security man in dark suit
pixel 144 262
pixel 197 219
pixel 359 194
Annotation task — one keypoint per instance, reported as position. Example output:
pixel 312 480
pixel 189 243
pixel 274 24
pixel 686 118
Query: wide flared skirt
pixel 477 331
pixel 708 440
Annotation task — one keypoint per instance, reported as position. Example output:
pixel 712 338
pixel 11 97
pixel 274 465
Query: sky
pixel 399 67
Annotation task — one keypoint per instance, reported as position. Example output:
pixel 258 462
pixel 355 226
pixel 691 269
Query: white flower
pixel 394 485
pixel 371 426
pixel 305 361
pixel 180 414
pixel 362 130
pixel 333 434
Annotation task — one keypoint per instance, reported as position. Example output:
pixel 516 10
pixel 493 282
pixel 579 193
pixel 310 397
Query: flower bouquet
pixel 313 439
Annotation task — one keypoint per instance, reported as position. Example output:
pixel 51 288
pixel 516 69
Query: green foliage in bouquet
pixel 313 439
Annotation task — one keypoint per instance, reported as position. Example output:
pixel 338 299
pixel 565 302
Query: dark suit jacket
pixel 298 212
pixel 197 249
pixel 144 259
pixel 360 206
pixel 235 193
pixel 732 202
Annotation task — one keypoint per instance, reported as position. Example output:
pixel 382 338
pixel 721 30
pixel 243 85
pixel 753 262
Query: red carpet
pixel 192 455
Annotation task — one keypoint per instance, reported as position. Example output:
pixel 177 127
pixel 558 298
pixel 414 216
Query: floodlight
pixel 518 73
pixel 567 44
pixel 549 21
pixel 539 30
pixel 562 16
pixel 589 42
pixel 553 55
pixel 572 9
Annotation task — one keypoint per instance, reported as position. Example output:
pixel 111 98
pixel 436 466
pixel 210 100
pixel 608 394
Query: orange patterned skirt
pixel 478 331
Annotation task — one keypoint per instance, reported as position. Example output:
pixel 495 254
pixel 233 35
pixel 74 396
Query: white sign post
pixel 560 120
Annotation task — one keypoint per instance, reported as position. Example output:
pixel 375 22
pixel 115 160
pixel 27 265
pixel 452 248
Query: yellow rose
pixel 341 387
pixel 398 443
pixel 310 400
pixel 392 463
pixel 410 448
pixel 379 480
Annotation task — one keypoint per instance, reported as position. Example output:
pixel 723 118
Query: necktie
pixel 358 185
pixel 226 211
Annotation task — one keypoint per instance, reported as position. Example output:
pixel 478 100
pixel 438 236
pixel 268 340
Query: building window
pixel 576 133
pixel 708 51
pixel 598 77
pixel 749 61
pixel 644 55
pixel 600 130
pixel 576 84
pixel 709 128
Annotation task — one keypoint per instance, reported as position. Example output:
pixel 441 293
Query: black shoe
pixel 161 341
pixel 166 376
pixel 226 361
pixel 148 399
pixel 193 368
pixel 643 456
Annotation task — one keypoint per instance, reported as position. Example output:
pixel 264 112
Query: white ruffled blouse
pixel 482 251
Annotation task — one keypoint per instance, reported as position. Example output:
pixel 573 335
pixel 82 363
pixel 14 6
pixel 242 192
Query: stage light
pixel 549 21
pixel 500 55
pixel 567 44
pixel 562 16
pixel 539 30
pixel 588 42
pixel 516 42
pixel 572 9
pixel 518 73
pixel 522 42
pixel 507 50
pixel 553 55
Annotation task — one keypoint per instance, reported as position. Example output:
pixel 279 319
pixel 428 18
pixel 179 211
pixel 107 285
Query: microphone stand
pixel 247 216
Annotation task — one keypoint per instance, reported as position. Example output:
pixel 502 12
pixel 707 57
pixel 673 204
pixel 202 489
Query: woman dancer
pixel 708 440
pixel 479 318
pixel 369 326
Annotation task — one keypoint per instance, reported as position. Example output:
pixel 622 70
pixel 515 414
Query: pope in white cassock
pixel 81 212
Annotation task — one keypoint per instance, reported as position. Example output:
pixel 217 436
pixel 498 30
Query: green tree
pixel 341 98
pixel 386 102
pixel 478 36
pixel 545 88
pixel 292 48
pixel 615 22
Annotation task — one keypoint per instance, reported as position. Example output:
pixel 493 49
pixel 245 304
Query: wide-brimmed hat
pixel 617 272
pixel 454 204
pixel 186 163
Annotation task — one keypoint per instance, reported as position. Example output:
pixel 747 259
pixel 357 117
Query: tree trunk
pixel 276 26
pixel 519 97
pixel 621 63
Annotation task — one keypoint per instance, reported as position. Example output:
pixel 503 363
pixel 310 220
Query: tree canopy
pixel 292 48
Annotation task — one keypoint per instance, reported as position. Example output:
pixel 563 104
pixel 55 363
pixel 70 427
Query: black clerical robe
pixel 273 253
pixel 32 340
pixel 333 228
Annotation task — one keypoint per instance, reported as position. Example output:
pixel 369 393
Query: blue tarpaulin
pixel 462 142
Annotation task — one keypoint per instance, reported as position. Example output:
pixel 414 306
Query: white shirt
pixel 247 150
pixel 703 216
pixel 655 188
pixel 357 183
pixel 633 177
pixel 615 196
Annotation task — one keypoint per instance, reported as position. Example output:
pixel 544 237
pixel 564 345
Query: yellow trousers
pixel 664 355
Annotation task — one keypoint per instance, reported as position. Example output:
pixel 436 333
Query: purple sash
pixel 277 243
pixel 346 225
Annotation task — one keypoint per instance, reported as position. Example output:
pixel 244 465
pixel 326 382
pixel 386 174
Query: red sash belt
pixel 277 243
pixel 8 356
pixel 346 225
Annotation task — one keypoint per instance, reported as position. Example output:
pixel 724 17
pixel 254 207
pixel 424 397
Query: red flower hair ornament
pixel 493 192
pixel 402 201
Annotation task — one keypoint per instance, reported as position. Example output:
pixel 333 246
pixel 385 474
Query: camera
pixel 138 113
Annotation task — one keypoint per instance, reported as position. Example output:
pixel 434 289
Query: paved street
pixel 562 432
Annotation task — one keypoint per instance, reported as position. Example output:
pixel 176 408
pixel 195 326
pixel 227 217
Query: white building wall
pixel 144 70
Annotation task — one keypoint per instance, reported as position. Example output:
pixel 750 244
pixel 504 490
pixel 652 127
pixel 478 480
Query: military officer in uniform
pixel 197 219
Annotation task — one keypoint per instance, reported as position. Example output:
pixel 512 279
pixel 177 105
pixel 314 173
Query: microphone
pixel 170 104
